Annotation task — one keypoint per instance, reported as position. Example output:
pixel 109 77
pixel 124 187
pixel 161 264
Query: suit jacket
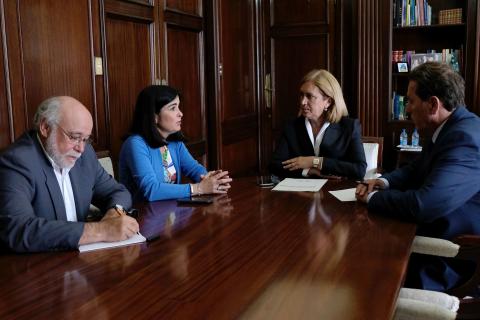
pixel 32 214
pixel 341 149
pixel 440 191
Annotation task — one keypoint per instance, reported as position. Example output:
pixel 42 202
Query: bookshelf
pixel 424 39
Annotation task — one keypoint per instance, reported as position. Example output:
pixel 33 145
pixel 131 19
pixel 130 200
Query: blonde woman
pixel 322 141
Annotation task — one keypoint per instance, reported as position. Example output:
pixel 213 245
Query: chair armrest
pixel 413 309
pixel 435 246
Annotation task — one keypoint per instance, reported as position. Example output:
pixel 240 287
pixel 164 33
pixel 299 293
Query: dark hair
pixel 149 103
pixel 439 80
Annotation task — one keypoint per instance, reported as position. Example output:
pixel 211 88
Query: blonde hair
pixel 329 87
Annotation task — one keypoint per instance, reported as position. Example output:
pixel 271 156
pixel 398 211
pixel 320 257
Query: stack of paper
pixel 137 238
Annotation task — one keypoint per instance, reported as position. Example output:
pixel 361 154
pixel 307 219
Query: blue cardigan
pixel 141 170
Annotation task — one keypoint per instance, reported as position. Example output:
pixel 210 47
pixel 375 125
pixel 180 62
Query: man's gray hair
pixel 48 110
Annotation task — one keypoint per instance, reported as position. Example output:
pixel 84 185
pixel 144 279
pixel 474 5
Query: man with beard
pixel 49 177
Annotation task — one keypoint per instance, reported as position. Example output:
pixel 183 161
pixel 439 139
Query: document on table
pixel 136 238
pixel 345 194
pixel 310 185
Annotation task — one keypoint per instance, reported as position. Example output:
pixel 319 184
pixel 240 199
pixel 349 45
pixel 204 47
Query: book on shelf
pixel 453 57
pixel 411 13
pixel 398 107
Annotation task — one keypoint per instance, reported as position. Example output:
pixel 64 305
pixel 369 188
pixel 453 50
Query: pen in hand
pixel 120 211
pixel 123 212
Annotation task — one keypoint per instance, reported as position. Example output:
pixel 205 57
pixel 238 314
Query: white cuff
pixel 385 182
pixel 305 172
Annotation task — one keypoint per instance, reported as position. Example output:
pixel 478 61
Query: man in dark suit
pixel 49 177
pixel 440 191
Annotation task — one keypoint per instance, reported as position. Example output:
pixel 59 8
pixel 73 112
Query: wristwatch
pixel 316 162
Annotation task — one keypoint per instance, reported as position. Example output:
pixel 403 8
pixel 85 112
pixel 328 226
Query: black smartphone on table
pixel 196 199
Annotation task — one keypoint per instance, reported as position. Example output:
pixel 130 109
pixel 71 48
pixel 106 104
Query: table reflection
pixel 163 218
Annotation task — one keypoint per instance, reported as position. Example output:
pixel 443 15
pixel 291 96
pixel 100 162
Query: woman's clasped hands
pixel 216 182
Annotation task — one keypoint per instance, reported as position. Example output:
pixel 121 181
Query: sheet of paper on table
pixel 344 194
pixel 309 185
pixel 136 238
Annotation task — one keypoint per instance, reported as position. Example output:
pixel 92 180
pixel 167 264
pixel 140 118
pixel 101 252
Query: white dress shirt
pixel 316 142
pixel 65 185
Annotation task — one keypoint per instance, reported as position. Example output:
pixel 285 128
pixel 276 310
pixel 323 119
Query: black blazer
pixel 341 149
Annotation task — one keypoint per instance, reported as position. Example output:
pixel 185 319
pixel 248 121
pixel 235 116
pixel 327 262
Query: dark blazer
pixel 32 212
pixel 341 149
pixel 440 191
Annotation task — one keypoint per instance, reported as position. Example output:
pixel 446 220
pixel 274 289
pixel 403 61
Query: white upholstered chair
pixel 423 304
pixel 373 147
pixel 106 162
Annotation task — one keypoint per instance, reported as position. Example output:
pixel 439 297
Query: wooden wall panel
pixel 303 12
pixel 13 64
pixel 6 134
pixel 237 110
pixel 474 76
pixel 238 71
pixel 290 65
pixel 476 99
pixel 50 49
pixel 184 52
pixel 186 6
pixel 129 55
pixel 183 38
pixel 373 64
pixel 299 36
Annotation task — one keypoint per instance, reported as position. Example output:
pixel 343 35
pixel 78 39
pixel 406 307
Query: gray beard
pixel 52 151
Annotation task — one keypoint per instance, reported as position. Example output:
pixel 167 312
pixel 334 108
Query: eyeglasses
pixel 75 140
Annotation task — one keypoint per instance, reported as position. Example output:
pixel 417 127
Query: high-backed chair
pixel 373 147
pixel 464 247
pixel 106 162
pixel 424 304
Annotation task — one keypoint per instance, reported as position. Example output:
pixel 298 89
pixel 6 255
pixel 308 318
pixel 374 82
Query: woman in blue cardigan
pixel 154 158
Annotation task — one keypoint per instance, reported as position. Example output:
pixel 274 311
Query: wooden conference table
pixel 255 254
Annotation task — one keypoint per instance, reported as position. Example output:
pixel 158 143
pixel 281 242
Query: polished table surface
pixel 255 254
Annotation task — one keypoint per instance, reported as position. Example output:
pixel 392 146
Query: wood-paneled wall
pixel 43 59
pixel 372 65
pixel 49 48
pixel 129 51
pixel 183 38
pixel 475 105
pixel 233 87
pixel 217 53
pixel 6 127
